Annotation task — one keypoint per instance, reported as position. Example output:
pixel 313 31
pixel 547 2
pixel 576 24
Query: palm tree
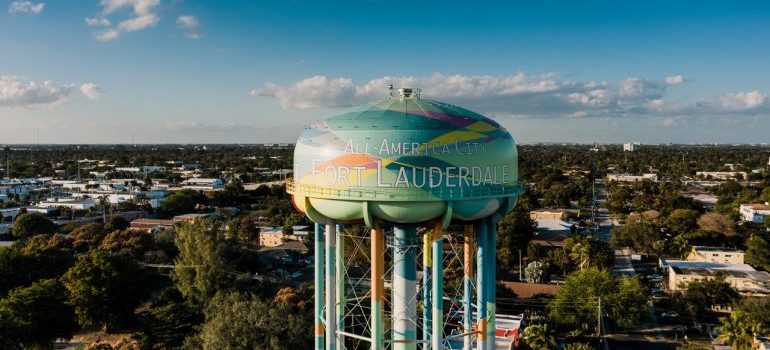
pixel 737 330
pixel 581 254
pixel 539 337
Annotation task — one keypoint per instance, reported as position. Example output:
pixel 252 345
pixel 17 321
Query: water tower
pixel 401 166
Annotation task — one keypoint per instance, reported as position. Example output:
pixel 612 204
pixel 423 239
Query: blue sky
pixel 180 71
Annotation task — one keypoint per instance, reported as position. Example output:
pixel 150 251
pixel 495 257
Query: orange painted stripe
pixel 319 329
pixel 378 262
pixel 482 329
pixel 437 230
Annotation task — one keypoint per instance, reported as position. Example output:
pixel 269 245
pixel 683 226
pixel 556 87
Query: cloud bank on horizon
pixel 523 96
pixel 16 91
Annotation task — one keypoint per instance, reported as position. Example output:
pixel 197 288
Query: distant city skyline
pixel 181 71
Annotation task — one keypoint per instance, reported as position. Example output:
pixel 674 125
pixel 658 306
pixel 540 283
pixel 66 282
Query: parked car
pixel 669 314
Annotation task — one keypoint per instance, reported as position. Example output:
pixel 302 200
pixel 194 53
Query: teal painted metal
pixel 405 161
pixel 331 286
pixel 404 288
pixel 492 278
pixel 468 244
pixel 378 287
pixel 339 266
pixel 409 151
pixel 318 290
pixel 427 286
pixel 437 296
pixel 482 262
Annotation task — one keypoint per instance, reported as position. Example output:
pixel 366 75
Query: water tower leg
pixel 319 282
pixel 404 289
pixel 437 245
pixel 481 285
pixel 378 287
pixel 331 287
pixel 468 286
pixel 427 312
pixel 492 278
pixel 339 270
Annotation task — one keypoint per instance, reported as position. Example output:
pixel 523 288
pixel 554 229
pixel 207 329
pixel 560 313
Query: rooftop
pixel 717 249
pixel 758 206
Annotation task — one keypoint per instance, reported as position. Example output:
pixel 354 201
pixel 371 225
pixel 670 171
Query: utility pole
pixel 520 265
pixel 599 318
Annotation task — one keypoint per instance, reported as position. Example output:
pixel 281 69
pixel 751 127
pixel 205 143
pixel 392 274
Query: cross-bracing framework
pixel 404 287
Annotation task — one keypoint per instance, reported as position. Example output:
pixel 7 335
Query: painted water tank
pixel 405 160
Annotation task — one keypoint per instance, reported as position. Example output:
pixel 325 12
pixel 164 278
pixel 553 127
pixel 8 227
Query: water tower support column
pixel 404 288
pixel 378 287
pixel 339 269
pixel 437 244
pixel 492 278
pixel 468 286
pixel 427 297
pixel 319 292
pixel 331 286
pixel 482 283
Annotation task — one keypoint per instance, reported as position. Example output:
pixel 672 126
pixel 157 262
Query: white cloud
pixel 189 25
pixel 142 16
pixel 27 7
pixel 107 35
pixel 742 100
pixel 675 79
pixel 521 96
pixel 198 126
pixel 91 22
pixel 91 91
pixel 138 23
pixel 16 91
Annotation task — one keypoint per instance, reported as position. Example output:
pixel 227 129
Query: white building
pixel 153 198
pixel 716 255
pixel 755 213
pixel 742 277
pixel 72 203
pixel 721 175
pixel 632 178
pixel 631 146
pixel 203 184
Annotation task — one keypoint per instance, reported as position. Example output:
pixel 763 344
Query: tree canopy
pixel 29 224
pixel 182 202
pixel 639 235
pixel 201 268
pixel 235 322
pixel 575 303
pixel 104 288
pixel 514 231
pixel 33 317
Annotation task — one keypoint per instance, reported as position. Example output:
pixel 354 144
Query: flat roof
pixel 758 206
pixel 717 249
pixel 684 264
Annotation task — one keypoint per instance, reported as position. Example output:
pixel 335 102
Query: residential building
pixel 274 236
pixel 742 277
pixel 716 255
pixel 631 146
pixel 721 175
pixel 203 184
pixel 549 214
pixel 72 203
pixel 190 217
pixel 755 213
pixel 632 178
pixel 151 225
